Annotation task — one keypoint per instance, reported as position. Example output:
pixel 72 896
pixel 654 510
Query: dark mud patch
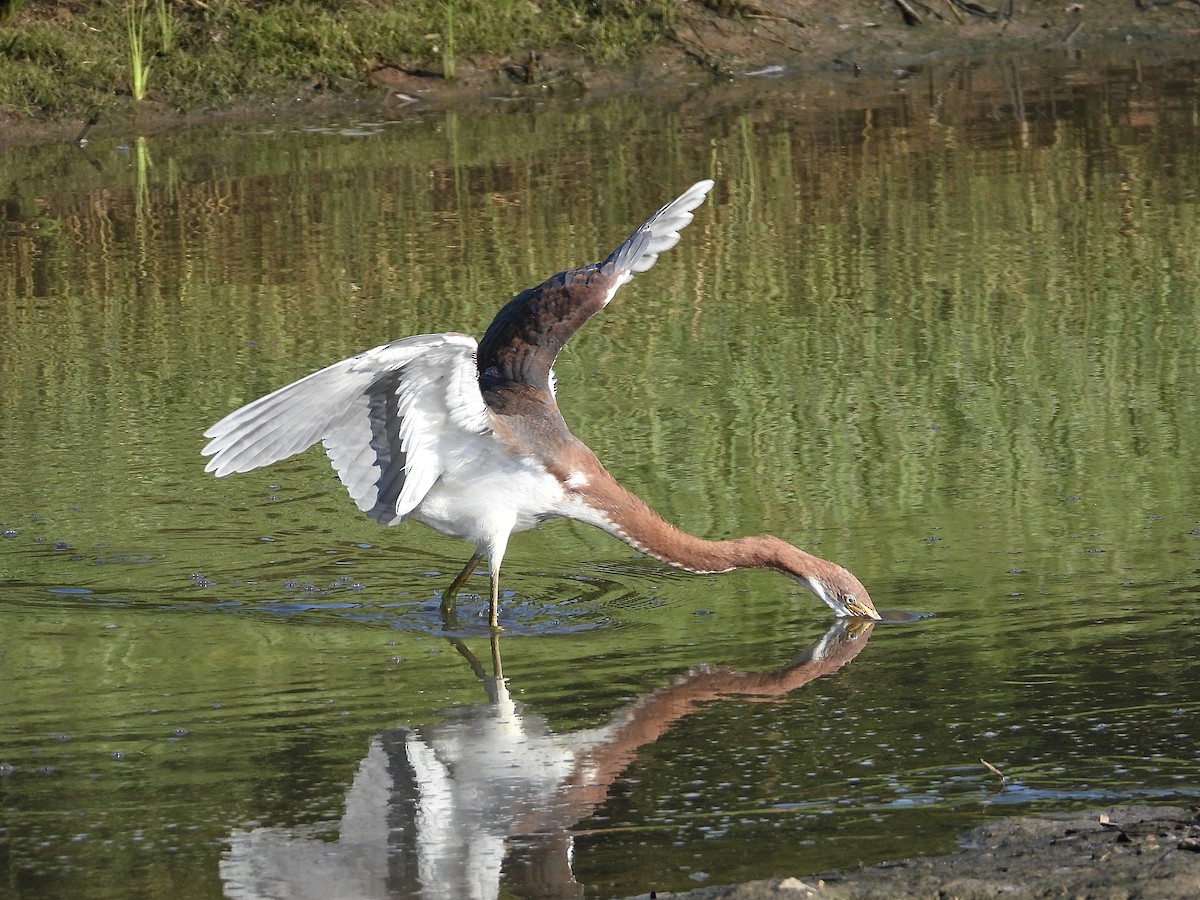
pixel 1122 852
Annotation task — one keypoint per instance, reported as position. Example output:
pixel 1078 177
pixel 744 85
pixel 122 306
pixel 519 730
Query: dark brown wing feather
pixel 524 339
pixel 521 344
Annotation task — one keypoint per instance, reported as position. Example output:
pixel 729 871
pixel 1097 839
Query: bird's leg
pixel 495 554
pixel 494 612
pixel 450 595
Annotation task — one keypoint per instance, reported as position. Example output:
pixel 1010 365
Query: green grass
pixel 9 8
pixel 56 59
pixel 448 38
pixel 166 25
pixel 139 64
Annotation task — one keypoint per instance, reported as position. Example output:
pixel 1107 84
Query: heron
pixel 467 437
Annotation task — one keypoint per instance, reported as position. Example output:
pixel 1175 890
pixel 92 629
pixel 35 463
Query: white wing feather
pixel 656 235
pixel 388 418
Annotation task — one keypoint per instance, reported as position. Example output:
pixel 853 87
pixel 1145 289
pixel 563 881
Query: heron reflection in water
pixel 468 438
pixel 489 799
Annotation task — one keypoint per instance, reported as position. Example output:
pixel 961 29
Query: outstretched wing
pixel 387 417
pixel 524 339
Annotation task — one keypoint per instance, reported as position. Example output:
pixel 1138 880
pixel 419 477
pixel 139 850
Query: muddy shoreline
pixel 862 48
pixel 1119 852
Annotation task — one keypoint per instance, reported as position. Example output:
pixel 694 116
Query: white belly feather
pixel 490 496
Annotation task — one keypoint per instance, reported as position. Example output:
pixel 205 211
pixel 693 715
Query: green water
pixel 948 341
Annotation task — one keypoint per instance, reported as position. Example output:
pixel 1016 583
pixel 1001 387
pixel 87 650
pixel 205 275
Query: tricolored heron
pixel 467 437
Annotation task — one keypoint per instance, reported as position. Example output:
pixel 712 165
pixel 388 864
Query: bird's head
pixel 841 592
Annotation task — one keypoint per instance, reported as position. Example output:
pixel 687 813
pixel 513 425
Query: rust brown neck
pixel 525 417
pixel 628 517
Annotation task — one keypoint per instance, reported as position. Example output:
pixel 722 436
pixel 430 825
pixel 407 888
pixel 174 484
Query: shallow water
pixel 947 337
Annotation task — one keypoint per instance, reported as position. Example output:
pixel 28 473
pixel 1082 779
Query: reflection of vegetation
pixel 931 325
pixel 880 327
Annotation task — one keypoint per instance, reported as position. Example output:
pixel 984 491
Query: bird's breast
pixel 495 495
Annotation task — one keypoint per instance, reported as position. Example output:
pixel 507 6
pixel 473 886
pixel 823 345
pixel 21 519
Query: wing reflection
pixel 489 796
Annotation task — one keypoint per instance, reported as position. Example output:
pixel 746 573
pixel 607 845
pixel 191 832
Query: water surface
pixel 947 337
